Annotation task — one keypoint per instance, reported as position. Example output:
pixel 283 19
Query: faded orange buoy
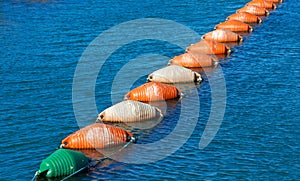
pixel 255 10
pixel 234 25
pixel 174 74
pixel 262 3
pixel 221 35
pixel 130 111
pixel 97 136
pixel 153 91
pixel 194 59
pixel 209 47
pixel 245 17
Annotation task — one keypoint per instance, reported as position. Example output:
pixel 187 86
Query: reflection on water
pixel 187 88
pixel 233 44
pixel 222 56
pixel 245 34
pixel 165 106
pixel 202 70
pixel 94 154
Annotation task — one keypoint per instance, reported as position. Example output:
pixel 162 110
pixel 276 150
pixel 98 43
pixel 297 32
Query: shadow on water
pixel 203 71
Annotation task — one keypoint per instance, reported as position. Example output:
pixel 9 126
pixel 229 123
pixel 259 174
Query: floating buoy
pixel 209 47
pixel 174 74
pixel 255 10
pixel 245 17
pixel 194 59
pixel 97 136
pixel 234 25
pixel 62 162
pixel 262 3
pixel 224 36
pixel 153 91
pixel 130 111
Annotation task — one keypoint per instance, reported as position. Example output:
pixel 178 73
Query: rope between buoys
pixel 69 176
pixel 34 176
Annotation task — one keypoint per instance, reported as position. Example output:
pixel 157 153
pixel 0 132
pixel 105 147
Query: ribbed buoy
pixel 235 26
pixel 153 91
pixel 174 74
pixel 96 136
pixel 194 59
pixel 209 47
pixel 62 162
pixel 130 111
pixel 245 17
pixel 255 10
pixel 262 3
pixel 224 36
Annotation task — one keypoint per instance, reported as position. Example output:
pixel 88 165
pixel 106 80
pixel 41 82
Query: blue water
pixel 42 42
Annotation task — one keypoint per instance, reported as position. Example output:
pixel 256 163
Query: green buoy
pixel 62 162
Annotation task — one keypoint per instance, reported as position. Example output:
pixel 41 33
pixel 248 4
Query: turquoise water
pixel 42 42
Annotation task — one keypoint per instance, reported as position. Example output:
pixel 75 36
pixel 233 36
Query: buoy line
pixel 66 162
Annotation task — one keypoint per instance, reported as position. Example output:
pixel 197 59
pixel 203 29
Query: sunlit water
pixel 41 44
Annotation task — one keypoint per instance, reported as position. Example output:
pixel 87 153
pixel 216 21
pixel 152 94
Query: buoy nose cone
pixel 240 38
pixel 228 51
pixel 100 118
pixel 197 78
pixel 259 20
pixel 127 96
pixel 133 139
pixel 149 78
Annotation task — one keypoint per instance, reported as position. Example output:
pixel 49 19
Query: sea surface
pixel 41 44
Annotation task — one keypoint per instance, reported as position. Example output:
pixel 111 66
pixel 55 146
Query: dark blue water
pixel 42 42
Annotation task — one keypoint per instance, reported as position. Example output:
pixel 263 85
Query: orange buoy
pixel 262 3
pixel 245 17
pixel 97 136
pixel 194 59
pixel 220 35
pixel 209 47
pixel 130 111
pixel 174 74
pixel 153 91
pixel 234 25
pixel 255 10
